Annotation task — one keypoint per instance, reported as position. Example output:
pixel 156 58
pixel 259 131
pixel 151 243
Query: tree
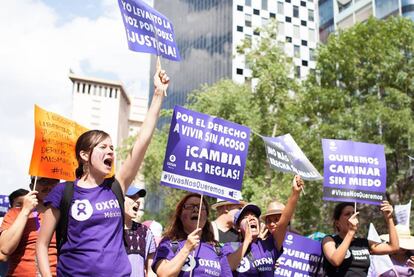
pixel 362 90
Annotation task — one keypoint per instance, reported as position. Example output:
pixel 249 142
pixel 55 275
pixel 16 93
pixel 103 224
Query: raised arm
pixel 10 238
pixel 50 220
pixel 282 224
pixel 336 256
pixel 393 244
pixel 131 165
pixel 235 258
pixel 171 268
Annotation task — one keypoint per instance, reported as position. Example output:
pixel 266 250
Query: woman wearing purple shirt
pixel 94 245
pixel 187 250
pixel 255 256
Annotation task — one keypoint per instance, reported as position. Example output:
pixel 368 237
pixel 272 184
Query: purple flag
pixel 301 257
pixel 147 30
pixel 205 154
pixel 354 171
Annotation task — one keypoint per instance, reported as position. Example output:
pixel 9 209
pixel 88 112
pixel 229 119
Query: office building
pixel 105 105
pixel 208 32
pixel 341 14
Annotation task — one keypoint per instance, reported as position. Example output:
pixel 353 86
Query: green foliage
pixel 362 90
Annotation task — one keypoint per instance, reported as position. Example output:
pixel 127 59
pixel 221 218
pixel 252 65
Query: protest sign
pixel 301 257
pixel 402 214
pixel 147 30
pixel 354 171
pixel 205 154
pixel 4 205
pixel 285 155
pixel 53 153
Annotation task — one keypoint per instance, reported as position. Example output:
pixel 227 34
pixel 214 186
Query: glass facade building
pixel 407 8
pixel 208 32
pixel 340 14
pixel 203 30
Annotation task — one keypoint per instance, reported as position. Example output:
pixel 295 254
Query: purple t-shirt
pixel 95 244
pixel 259 261
pixel 207 261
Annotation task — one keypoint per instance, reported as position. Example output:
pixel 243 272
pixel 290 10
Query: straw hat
pixel 404 236
pixel 274 207
pixel 222 202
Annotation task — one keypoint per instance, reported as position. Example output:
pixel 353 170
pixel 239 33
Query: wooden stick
pixel 198 225
pixel 199 211
pixel 34 185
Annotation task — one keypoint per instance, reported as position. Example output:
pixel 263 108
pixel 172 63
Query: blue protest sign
pixel 147 30
pixel 205 154
pixel 354 171
pixel 285 155
pixel 4 205
pixel 301 257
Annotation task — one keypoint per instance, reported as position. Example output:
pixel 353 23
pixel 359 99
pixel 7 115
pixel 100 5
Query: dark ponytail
pixel 79 172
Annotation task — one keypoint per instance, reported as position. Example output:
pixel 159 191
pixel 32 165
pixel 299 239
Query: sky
pixel 40 42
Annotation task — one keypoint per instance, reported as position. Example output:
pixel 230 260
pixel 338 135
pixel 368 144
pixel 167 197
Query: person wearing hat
pixel 223 227
pixel 20 229
pixel 139 238
pixel 271 218
pixel 257 256
pixel 403 259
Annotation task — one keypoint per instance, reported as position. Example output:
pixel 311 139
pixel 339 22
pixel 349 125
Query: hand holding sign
pixel 29 202
pixel 386 209
pixel 298 184
pixel 193 240
pixel 161 79
pixel 353 222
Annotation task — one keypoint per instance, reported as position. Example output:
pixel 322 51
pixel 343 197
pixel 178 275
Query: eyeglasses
pixel 191 207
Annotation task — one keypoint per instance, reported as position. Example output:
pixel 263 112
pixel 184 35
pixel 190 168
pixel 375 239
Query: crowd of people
pixel 89 227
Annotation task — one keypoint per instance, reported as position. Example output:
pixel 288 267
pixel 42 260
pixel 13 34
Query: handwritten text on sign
pixel 53 153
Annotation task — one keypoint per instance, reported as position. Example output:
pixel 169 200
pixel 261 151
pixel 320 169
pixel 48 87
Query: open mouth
pixel 108 162
pixel 253 225
pixel 194 217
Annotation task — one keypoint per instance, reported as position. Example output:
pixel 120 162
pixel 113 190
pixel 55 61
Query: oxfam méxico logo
pixel 171 161
pixel 81 210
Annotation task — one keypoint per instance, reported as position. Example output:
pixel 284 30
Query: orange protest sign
pixel 53 153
